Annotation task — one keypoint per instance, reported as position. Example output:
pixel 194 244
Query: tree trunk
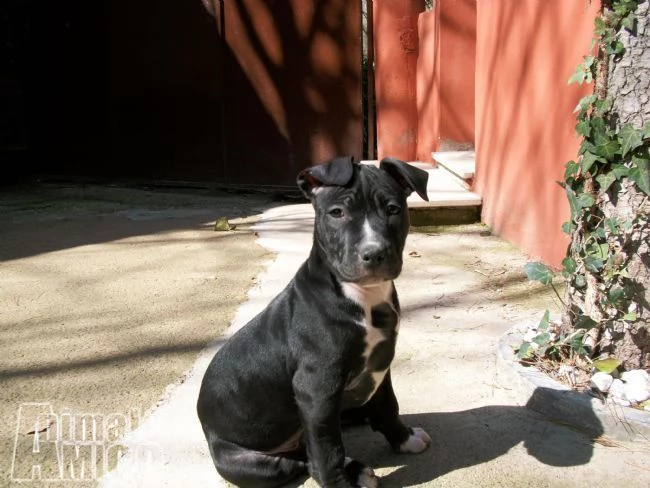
pixel 628 86
pixel 626 82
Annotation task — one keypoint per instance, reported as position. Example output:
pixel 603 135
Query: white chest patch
pixel 368 297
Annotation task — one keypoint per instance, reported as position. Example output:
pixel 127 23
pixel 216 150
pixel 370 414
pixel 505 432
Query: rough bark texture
pixel 629 76
pixel 625 80
pixel 630 343
pixel 628 86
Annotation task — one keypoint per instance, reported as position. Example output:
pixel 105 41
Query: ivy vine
pixel 610 158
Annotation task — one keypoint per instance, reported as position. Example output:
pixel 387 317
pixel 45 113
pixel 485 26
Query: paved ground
pixel 460 290
pixel 108 295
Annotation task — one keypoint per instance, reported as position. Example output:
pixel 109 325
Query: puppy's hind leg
pixel 254 469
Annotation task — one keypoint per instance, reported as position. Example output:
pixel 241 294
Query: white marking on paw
pixel 417 442
pixel 367 478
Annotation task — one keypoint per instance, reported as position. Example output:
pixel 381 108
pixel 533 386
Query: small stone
pixel 636 375
pixel 637 385
pixel 617 392
pixel 566 369
pixel 530 335
pixel 602 381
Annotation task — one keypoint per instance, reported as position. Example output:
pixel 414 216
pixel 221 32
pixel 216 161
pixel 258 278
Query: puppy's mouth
pixel 370 277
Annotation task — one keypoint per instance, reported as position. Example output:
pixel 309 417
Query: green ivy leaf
pixel 640 174
pixel 525 351
pixel 569 266
pixel 586 146
pixel 630 138
pixel 611 225
pixel 600 131
pixel 538 272
pixel 608 150
pixel 616 48
pixel 620 171
pixel 583 128
pixel 580 76
pixel 583 71
pixel 568 227
pixel 628 22
pixel 580 281
pixel 584 103
pixel 600 251
pixel 593 264
pixel 542 339
pixel 546 320
pixel 646 131
pixel 602 106
pixel 587 161
pixel 605 180
pixel 599 233
pixel 584 322
pixel 603 251
pixel 630 317
pixel 586 200
pixel 615 294
pixel 573 203
pixel 571 169
pixel 578 346
pixel 600 27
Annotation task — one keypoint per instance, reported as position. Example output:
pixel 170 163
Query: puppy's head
pixel 361 215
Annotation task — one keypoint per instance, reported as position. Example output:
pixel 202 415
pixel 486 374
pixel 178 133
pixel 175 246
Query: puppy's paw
pixel 417 442
pixel 364 476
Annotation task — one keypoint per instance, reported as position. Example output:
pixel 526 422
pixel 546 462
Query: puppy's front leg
pixel 319 402
pixel 383 412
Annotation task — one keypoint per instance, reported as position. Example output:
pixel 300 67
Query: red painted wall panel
pixel 428 87
pixel 526 52
pixel 457 67
pixel 396 54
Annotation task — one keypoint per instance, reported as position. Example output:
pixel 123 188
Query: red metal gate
pixel 291 85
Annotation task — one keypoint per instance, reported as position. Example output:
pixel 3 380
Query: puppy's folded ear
pixel 337 172
pixel 409 177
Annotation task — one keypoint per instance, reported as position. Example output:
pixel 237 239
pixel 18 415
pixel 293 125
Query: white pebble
pixel 617 392
pixel 530 335
pixel 602 381
pixel 636 375
pixel 637 385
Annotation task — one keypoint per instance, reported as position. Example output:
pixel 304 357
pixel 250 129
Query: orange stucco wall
pixel 445 76
pixel 428 87
pixel 396 53
pixel 457 65
pixel 526 52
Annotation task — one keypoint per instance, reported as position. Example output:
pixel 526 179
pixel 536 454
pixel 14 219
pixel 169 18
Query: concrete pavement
pixel 460 290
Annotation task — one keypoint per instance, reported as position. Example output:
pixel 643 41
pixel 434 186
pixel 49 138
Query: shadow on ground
pixel 29 213
pixel 471 437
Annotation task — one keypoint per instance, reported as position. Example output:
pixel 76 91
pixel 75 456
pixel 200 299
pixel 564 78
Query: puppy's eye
pixel 337 213
pixel 393 210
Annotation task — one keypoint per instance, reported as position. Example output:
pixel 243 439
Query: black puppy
pixel 272 398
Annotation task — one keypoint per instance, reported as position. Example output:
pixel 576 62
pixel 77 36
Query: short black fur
pixel 271 400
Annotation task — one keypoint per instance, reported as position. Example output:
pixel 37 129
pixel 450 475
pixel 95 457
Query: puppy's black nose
pixel 373 255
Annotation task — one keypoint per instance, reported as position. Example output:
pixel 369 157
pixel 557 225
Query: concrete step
pixel 450 202
pixel 460 164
